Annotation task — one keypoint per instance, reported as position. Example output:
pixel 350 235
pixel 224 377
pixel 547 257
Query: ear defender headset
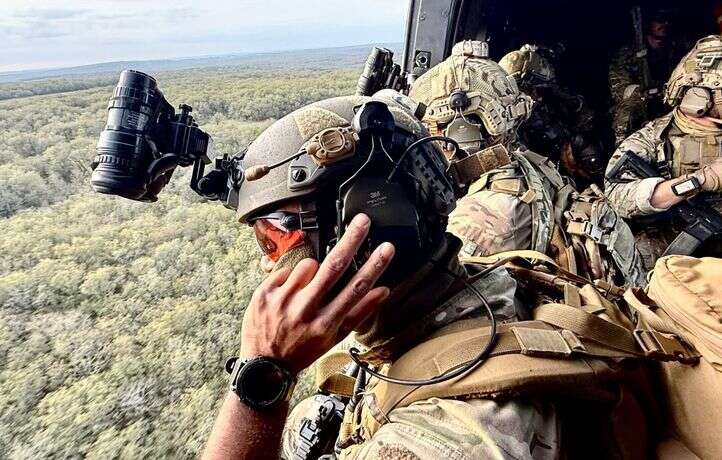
pixel 697 101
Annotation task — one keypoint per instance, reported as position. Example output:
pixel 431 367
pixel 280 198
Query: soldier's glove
pixel 710 177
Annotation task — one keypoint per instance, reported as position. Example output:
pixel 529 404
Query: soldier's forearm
pixel 663 197
pixel 634 199
pixel 243 433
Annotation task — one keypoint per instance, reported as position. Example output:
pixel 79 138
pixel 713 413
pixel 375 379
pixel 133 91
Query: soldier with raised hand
pixel 516 198
pixel 638 72
pixel 333 161
pixel 503 360
pixel 683 148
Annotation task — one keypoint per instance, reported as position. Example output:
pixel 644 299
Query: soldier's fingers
pixel 363 281
pixel 340 257
pixel 277 278
pixel 362 310
pixel 301 275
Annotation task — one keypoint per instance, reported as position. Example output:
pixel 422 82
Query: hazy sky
pixel 55 33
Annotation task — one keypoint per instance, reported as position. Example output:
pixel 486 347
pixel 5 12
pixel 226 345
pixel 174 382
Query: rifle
pixel 645 73
pixel 701 220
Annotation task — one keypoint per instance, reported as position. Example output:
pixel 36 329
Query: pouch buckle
pixel 658 346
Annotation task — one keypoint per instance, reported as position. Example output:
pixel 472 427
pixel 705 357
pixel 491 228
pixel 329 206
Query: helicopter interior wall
pixel 590 33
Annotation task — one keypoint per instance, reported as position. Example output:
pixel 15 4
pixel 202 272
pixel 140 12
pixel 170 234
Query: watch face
pixel 685 187
pixel 262 383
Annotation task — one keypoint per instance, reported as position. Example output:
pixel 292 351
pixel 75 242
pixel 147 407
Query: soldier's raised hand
pixel 291 317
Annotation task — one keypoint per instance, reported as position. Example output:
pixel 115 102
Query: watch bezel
pixel 244 370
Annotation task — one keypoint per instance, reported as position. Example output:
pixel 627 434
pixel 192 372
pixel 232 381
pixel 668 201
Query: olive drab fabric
pixel 637 101
pixel 631 108
pixel 685 297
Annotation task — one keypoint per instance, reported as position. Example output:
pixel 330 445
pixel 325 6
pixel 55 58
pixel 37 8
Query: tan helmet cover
pixel 494 95
pixel 527 62
pixel 291 134
pixel 701 67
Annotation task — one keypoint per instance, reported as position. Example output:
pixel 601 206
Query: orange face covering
pixel 274 240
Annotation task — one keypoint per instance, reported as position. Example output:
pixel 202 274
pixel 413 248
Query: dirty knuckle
pixel 337 264
pixel 380 262
pixel 360 286
pixel 356 232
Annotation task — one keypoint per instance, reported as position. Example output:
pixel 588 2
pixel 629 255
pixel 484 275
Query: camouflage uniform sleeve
pixel 632 199
pixel 622 74
pixel 462 430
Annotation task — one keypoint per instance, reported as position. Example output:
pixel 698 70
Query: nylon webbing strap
pixel 329 374
pixel 533 257
pixel 531 338
pixel 588 326
pixel 474 166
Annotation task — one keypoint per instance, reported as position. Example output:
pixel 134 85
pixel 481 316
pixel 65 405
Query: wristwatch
pixel 260 383
pixel 687 187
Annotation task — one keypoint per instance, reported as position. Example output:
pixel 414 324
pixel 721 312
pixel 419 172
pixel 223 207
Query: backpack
pixel 684 298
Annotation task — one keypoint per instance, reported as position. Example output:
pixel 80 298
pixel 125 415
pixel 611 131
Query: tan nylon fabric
pixel 688 295
pixel 693 397
pixel 689 291
pixel 702 66
pixel 329 373
pixel 509 372
pixel 498 101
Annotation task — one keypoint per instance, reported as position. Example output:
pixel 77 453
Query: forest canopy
pixel 117 316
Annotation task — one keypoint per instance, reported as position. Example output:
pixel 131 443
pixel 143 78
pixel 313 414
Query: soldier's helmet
pixel 696 82
pixel 528 66
pixel 346 155
pixel 471 98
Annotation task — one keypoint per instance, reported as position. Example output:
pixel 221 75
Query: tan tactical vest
pixel 691 153
pixel 578 347
pixel 685 153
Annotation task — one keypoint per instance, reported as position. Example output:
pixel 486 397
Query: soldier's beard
pixel 293 256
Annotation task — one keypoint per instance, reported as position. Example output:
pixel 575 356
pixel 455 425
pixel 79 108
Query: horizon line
pixel 181 58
